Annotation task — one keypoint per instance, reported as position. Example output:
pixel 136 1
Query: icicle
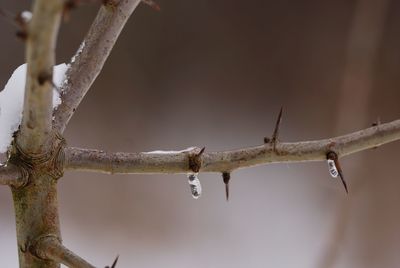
pixel 195 186
pixel 332 168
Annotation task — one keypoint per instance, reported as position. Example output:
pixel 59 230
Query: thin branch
pixel 178 162
pixel 40 53
pixel 12 176
pixel 91 56
pixel 50 248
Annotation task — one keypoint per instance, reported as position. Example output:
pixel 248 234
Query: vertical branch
pixel 90 58
pixel 35 204
pixel 40 54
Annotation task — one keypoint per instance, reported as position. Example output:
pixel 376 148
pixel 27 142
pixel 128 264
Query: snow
pixel 171 152
pixel 194 183
pixel 332 168
pixel 26 16
pixel 12 100
pixel 81 47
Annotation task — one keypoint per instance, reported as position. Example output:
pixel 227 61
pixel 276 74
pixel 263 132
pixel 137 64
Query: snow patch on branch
pixel 79 52
pixel 12 102
pixel 171 152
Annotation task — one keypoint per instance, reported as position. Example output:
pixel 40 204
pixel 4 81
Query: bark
pixel 36 206
pixel 90 58
pixel 178 162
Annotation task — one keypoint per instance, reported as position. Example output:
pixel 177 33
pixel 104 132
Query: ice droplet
pixel 195 186
pixel 332 168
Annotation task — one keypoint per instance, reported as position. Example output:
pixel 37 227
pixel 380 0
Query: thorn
pixel 226 176
pixel 275 134
pixel 333 156
pixel 114 263
pixel 195 161
pixel 19 21
pixel 152 4
pixel 201 151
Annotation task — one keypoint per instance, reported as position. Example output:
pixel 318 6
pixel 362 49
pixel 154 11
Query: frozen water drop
pixel 332 168
pixel 195 186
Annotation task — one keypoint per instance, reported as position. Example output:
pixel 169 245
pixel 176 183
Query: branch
pixel 178 162
pixel 12 176
pixel 50 248
pixel 91 56
pixel 40 53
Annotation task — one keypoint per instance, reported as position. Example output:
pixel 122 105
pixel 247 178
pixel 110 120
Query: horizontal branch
pixel 50 248
pixel 178 162
pixel 86 65
pixel 12 176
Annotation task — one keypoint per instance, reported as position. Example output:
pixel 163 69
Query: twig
pixel 41 42
pixel 50 248
pixel 90 58
pixel 178 162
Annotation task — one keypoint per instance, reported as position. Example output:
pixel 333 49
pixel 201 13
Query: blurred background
pixel 215 73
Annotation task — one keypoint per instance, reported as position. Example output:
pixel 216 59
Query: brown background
pixel 214 73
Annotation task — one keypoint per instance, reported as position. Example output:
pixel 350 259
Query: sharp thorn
pixel 226 176
pixel 275 134
pixel 341 174
pixel 344 184
pixel 333 156
pixel 114 263
pixel 201 151
pixel 227 191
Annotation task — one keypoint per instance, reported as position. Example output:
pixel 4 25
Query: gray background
pixel 215 73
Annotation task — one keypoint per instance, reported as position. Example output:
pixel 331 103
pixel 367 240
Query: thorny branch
pixel 40 34
pixel 227 161
pixel 86 65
